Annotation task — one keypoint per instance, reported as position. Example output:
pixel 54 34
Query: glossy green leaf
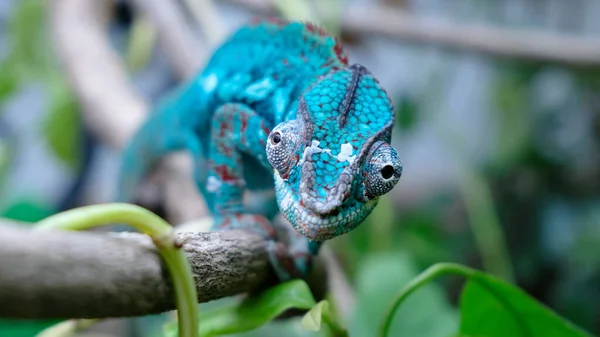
pixel 254 311
pixel 379 278
pixel 493 308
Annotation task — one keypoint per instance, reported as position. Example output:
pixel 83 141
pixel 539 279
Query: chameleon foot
pixel 288 261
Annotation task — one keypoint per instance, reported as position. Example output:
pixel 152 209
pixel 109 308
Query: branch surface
pixel 63 274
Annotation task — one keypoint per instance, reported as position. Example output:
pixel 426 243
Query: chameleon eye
pixel 387 172
pixel 275 138
pixel 382 170
pixel 282 146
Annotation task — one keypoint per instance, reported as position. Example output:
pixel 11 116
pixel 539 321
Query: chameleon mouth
pixel 316 226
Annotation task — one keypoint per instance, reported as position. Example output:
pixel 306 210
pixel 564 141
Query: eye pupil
pixel 276 138
pixel 387 172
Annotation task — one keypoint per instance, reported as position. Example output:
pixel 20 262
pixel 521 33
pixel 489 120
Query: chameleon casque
pixel 277 106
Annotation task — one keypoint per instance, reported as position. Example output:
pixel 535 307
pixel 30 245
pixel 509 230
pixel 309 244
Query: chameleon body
pixel 278 106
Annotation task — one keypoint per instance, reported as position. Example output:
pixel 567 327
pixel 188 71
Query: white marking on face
pixel 313 148
pixel 213 184
pixel 346 153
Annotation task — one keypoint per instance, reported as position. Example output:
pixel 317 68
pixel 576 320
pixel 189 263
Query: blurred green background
pixel 501 154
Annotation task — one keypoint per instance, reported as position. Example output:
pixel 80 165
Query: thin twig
pixel 174 33
pixel 208 18
pixel 521 44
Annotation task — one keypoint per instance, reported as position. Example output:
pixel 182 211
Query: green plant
pixel 162 235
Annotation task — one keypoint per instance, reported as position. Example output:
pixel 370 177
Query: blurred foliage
pixel 29 60
pixel 253 311
pixel 379 278
pixel 490 307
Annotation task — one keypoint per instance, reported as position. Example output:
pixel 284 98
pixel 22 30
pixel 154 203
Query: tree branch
pixel 59 274
pixel 521 44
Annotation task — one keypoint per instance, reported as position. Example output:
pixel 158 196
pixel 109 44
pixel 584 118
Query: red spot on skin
pixel 224 149
pixel 265 129
pixel 243 127
pixel 285 62
pixel 320 105
pixel 224 173
pixel 339 52
pixel 312 28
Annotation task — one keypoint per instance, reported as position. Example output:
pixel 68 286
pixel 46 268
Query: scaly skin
pixel 278 107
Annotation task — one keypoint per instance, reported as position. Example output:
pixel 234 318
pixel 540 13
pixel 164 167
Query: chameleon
pixel 277 107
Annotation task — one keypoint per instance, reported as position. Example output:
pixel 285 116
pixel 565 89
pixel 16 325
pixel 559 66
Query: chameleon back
pixel 264 65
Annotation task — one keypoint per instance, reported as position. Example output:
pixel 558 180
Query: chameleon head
pixel 334 160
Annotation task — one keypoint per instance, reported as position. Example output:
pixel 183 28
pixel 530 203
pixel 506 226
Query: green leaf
pixel 379 278
pixel 30 42
pixel 253 312
pixel 21 328
pixel 141 42
pixel 493 308
pixel 407 112
pixel 313 318
pixel 9 81
pixel 61 126
pixel 26 211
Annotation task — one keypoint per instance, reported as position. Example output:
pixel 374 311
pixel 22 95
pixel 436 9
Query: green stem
pixel 162 235
pixel 336 328
pixel 485 225
pixel 441 269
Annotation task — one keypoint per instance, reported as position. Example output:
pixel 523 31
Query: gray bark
pixel 59 274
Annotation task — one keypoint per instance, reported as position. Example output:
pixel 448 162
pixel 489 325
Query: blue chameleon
pixel 277 106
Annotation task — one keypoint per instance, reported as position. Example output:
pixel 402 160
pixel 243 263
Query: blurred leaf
pixel 406 112
pixel 313 318
pixel 30 44
pixel 329 14
pixel 253 312
pixel 511 98
pixel 6 154
pixel 141 42
pixel 493 308
pixel 379 278
pixel 27 211
pixel 322 313
pixel 62 127
pixel 20 328
pixel 295 10
pixel 9 81
pixel 485 224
